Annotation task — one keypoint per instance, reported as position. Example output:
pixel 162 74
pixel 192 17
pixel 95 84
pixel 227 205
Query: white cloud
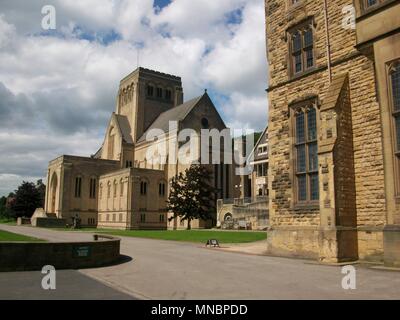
pixel 239 64
pixel 10 182
pixel 58 90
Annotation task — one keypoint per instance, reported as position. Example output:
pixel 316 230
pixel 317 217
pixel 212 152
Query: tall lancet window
pixel 111 142
pixel 394 99
pixel 306 153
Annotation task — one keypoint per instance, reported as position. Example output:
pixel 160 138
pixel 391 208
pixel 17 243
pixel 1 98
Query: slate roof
pixel 124 127
pixel 178 113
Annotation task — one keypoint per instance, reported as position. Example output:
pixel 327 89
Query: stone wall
pixel 365 118
pixel 25 256
pixel 49 223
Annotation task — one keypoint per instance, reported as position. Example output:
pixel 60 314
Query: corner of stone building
pixel 294 242
pixel 391 246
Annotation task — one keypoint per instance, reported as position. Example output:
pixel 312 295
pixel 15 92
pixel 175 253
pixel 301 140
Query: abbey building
pixel 120 186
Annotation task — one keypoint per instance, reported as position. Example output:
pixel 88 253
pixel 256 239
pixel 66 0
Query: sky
pixel 58 87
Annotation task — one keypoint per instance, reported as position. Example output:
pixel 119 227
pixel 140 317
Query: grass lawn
pixel 9 236
pixel 8 221
pixel 200 236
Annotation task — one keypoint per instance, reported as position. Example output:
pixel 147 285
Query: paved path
pixel 70 285
pixel 175 270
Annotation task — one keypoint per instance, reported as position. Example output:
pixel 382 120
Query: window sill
pixel 301 207
pixel 303 73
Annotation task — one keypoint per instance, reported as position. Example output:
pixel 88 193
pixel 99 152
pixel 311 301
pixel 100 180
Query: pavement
pixel 70 285
pixel 169 270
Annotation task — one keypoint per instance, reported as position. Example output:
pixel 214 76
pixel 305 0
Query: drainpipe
pixel 328 41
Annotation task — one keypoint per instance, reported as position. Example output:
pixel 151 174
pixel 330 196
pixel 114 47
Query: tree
pixel 28 197
pixel 3 201
pixel 5 206
pixel 41 187
pixel 192 196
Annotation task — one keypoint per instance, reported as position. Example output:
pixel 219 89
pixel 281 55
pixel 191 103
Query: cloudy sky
pixel 58 87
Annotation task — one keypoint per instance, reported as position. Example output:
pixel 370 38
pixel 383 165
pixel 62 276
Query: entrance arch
pixel 228 217
pixel 53 192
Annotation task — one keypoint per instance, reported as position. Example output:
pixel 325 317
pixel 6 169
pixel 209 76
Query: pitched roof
pixel 253 154
pixel 124 127
pixel 178 113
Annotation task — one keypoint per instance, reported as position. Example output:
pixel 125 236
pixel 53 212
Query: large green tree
pixel 28 197
pixel 192 195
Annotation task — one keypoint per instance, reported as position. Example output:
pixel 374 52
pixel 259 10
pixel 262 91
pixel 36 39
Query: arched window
pixel 204 123
pixel 143 188
pixel 168 94
pixel 121 188
pixel 161 189
pixel 301 48
pixel 306 152
pixel 115 188
pixel 53 192
pixel 92 188
pixel 78 187
pixel 111 141
pixel 109 190
pixel 101 191
pixel 395 99
pixel 125 96
pixel 159 92
pixel 120 98
pixel 150 90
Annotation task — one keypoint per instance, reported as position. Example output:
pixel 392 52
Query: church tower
pixel 145 94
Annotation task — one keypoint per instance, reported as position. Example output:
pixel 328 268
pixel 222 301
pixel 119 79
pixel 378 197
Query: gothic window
pixel 115 189
pixel 394 98
pixel 161 189
pixel 150 90
pixel 159 93
pixel 78 187
pixel 125 97
pixel 301 49
pixel 108 190
pixel 92 188
pixel 128 164
pixel 305 153
pixel 394 79
pixel 111 142
pixel 143 188
pixel 205 123
pixel 122 188
pixel 168 95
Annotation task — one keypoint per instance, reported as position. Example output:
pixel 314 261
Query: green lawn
pixel 7 221
pixel 9 236
pixel 189 236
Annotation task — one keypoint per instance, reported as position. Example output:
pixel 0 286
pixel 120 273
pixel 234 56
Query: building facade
pixel 334 129
pixel 125 185
pixel 259 161
pixel 250 209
